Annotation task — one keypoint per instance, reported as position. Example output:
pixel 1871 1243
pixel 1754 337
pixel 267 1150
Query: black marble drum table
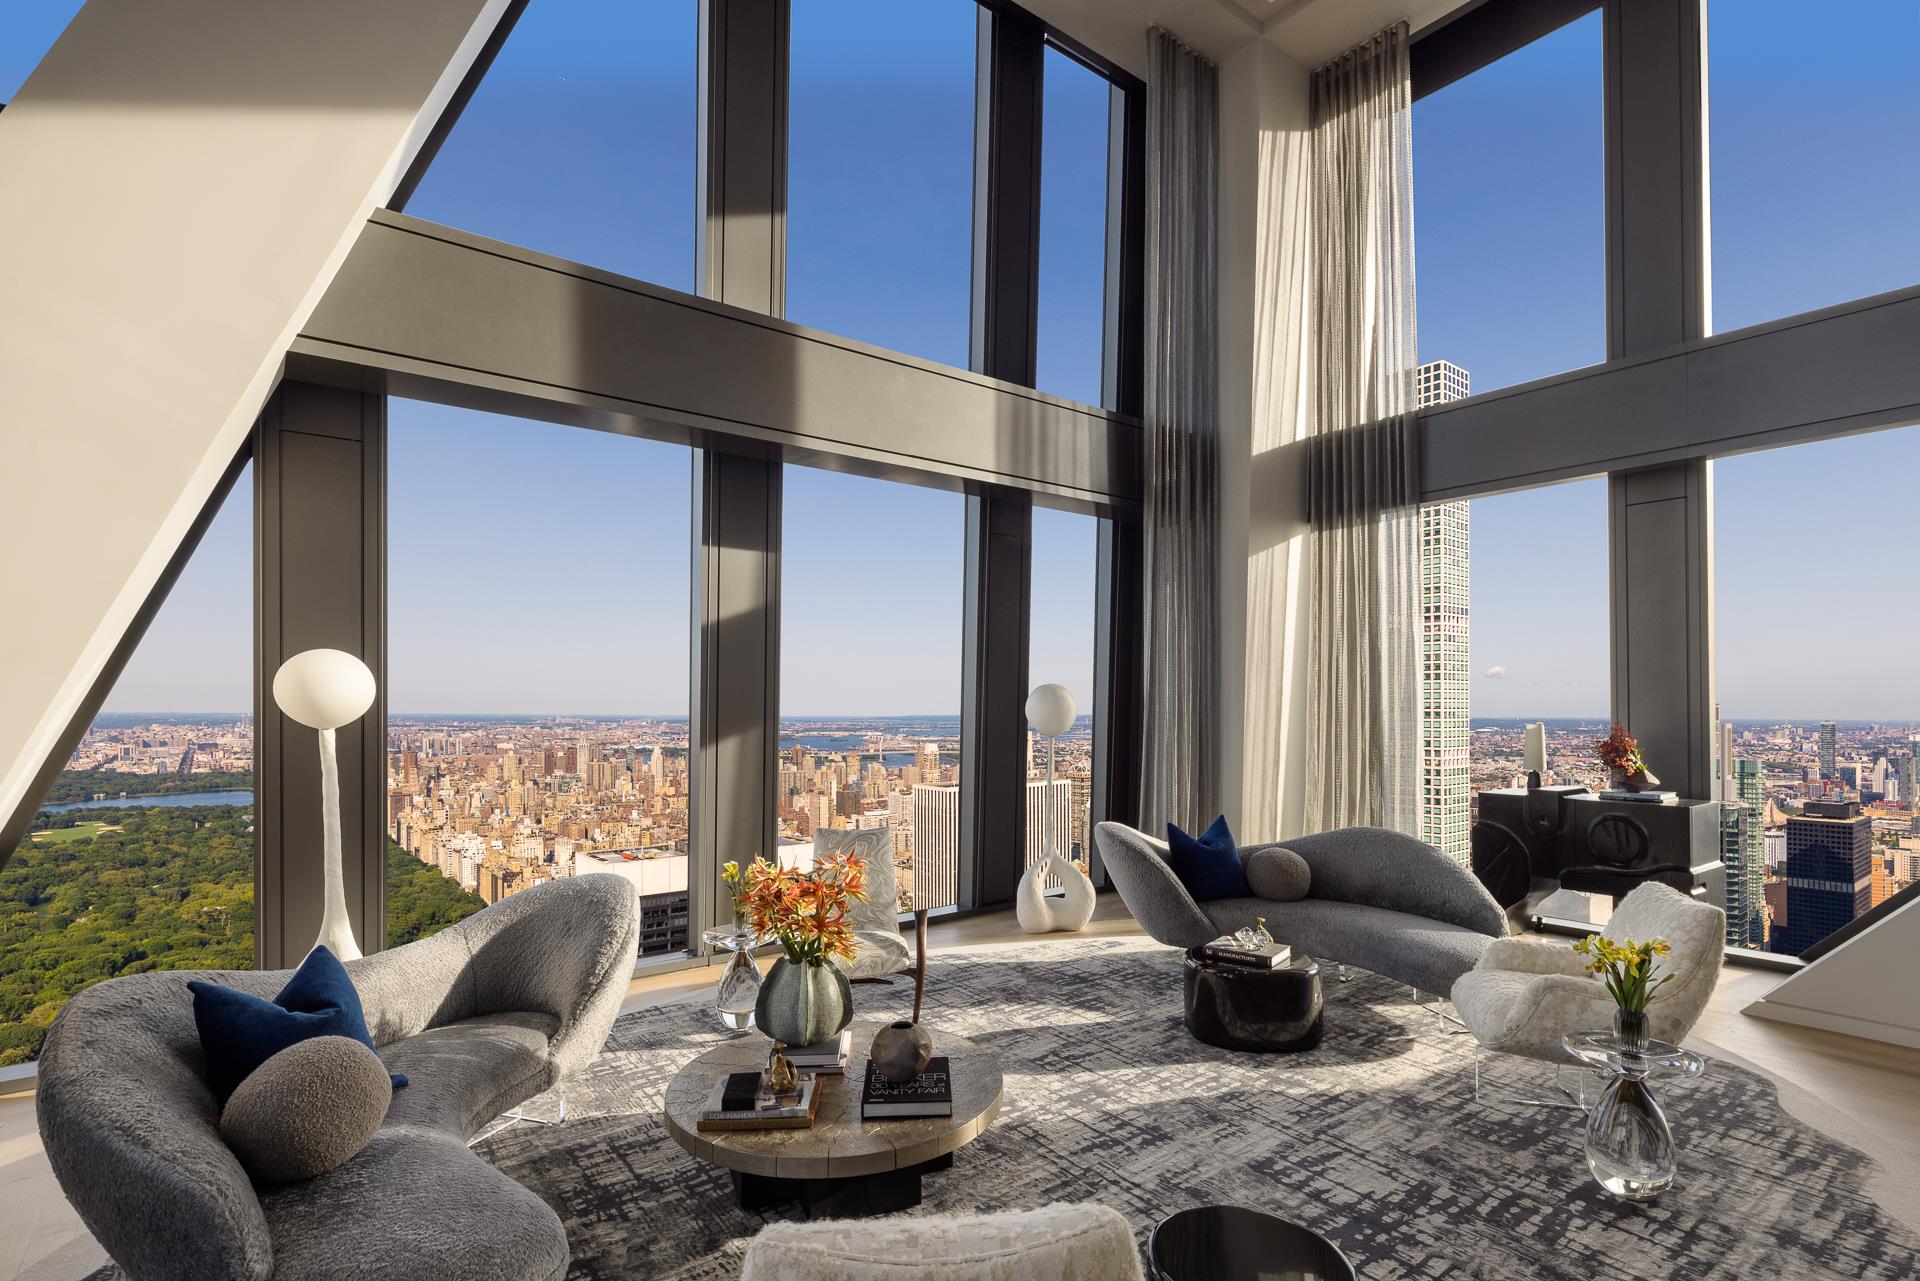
pixel 1242 1009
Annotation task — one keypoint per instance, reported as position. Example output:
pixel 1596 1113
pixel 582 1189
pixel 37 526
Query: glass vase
pixel 738 991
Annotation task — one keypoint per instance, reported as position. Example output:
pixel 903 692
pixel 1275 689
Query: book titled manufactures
pixel 741 1101
pixel 928 1094
pixel 1227 950
pixel 828 1056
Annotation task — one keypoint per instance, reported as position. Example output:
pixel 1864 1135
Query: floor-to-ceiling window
pixel 1814 172
pixel 871 630
pixel 537 666
pixel 880 172
pixel 141 856
pixel 582 140
pixel 1819 698
pixel 1060 651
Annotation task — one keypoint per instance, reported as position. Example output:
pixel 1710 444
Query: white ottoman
pixel 1058 1243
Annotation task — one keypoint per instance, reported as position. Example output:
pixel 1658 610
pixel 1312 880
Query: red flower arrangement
pixel 805 911
pixel 1620 752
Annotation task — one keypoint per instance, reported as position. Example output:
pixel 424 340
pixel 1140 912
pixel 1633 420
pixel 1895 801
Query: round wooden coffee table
pixel 842 1165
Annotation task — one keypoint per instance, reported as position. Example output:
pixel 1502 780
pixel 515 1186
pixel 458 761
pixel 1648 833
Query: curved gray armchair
pixel 482 1016
pixel 1379 900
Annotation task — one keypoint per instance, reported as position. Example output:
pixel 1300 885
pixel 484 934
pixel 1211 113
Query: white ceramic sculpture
pixel 1050 709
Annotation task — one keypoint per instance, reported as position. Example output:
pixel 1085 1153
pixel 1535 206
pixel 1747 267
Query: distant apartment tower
pixel 936 846
pixel 1829 872
pixel 1743 851
pixel 1446 650
pixel 1036 816
pixel 1828 742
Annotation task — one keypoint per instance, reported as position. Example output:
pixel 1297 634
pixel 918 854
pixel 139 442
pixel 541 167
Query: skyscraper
pixel 1446 646
pixel 936 846
pixel 1828 770
pixel 1062 818
pixel 1829 872
pixel 1746 870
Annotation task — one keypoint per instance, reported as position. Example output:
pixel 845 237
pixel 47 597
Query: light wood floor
pixel 1875 1085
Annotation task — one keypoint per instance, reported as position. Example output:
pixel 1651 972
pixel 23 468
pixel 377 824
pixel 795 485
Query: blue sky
pixel 581 143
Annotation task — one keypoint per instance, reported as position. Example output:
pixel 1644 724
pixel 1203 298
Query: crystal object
pixel 1630 1148
pixel 739 988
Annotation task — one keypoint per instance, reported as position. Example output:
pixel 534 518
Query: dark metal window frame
pixel 744 48
pixel 1670 397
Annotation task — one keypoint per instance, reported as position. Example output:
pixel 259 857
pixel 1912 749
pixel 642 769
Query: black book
pixel 928 1094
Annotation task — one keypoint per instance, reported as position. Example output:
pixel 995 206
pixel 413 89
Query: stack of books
pixel 928 1094
pixel 1229 951
pixel 1642 798
pixel 743 1101
pixel 828 1057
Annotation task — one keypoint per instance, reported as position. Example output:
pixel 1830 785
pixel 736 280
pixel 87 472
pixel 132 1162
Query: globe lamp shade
pixel 1051 710
pixel 323 688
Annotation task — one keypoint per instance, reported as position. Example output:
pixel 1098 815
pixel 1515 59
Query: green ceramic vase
pixel 803 1004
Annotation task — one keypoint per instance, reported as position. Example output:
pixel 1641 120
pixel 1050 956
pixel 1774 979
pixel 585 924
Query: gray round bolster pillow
pixel 308 1109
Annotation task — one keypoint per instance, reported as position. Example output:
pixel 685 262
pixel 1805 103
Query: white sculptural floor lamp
pixel 324 689
pixel 1051 710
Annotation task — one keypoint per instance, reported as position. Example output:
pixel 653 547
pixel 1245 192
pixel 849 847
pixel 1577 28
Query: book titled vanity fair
pixel 1227 950
pixel 928 1094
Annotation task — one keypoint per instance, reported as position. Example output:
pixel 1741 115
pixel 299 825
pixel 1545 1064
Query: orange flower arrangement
pixel 805 911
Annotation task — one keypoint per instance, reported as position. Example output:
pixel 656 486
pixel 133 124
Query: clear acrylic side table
pixel 1629 1143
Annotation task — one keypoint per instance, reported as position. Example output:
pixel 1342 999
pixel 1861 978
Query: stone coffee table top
pixel 839 1145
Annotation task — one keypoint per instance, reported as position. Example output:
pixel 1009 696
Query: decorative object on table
pixel 1641 796
pixel 1626 968
pixel 1242 949
pixel 842 1166
pixel 1619 751
pixel 1535 755
pixel 780 1073
pixel 902 1049
pixel 804 998
pixel 308 1109
pixel 927 1093
pixel 1057 1243
pixel 878 948
pixel 1277 873
pixel 1382 900
pixel 1209 864
pixel 752 1102
pixel 1239 1243
pixel 1272 1009
pixel 1526 995
pixel 240 1031
pixel 324 689
pixel 829 1057
pixel 1629 1144
pixel 738 990
pixel 1051 710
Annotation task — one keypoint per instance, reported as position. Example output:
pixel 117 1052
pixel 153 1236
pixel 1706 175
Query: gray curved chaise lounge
pixel 1378 899
pixel 482 1016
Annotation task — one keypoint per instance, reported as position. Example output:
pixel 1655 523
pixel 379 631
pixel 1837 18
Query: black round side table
pixel 1236 1243
pixel 1244 1009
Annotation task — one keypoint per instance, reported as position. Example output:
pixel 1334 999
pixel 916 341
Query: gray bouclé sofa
pixel 1378 899
pixel 482 1016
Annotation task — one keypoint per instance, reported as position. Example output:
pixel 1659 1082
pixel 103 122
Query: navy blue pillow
pixel 1208 864
pixel 239 1032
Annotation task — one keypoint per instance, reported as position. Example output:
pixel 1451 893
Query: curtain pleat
pixel 1179 768
pixel 1364 455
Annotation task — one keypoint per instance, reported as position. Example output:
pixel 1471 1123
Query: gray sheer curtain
pixel 1363 716
pixel 1180 765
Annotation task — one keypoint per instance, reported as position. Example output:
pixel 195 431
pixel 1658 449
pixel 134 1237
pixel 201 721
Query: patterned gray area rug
pixel 1373 1139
